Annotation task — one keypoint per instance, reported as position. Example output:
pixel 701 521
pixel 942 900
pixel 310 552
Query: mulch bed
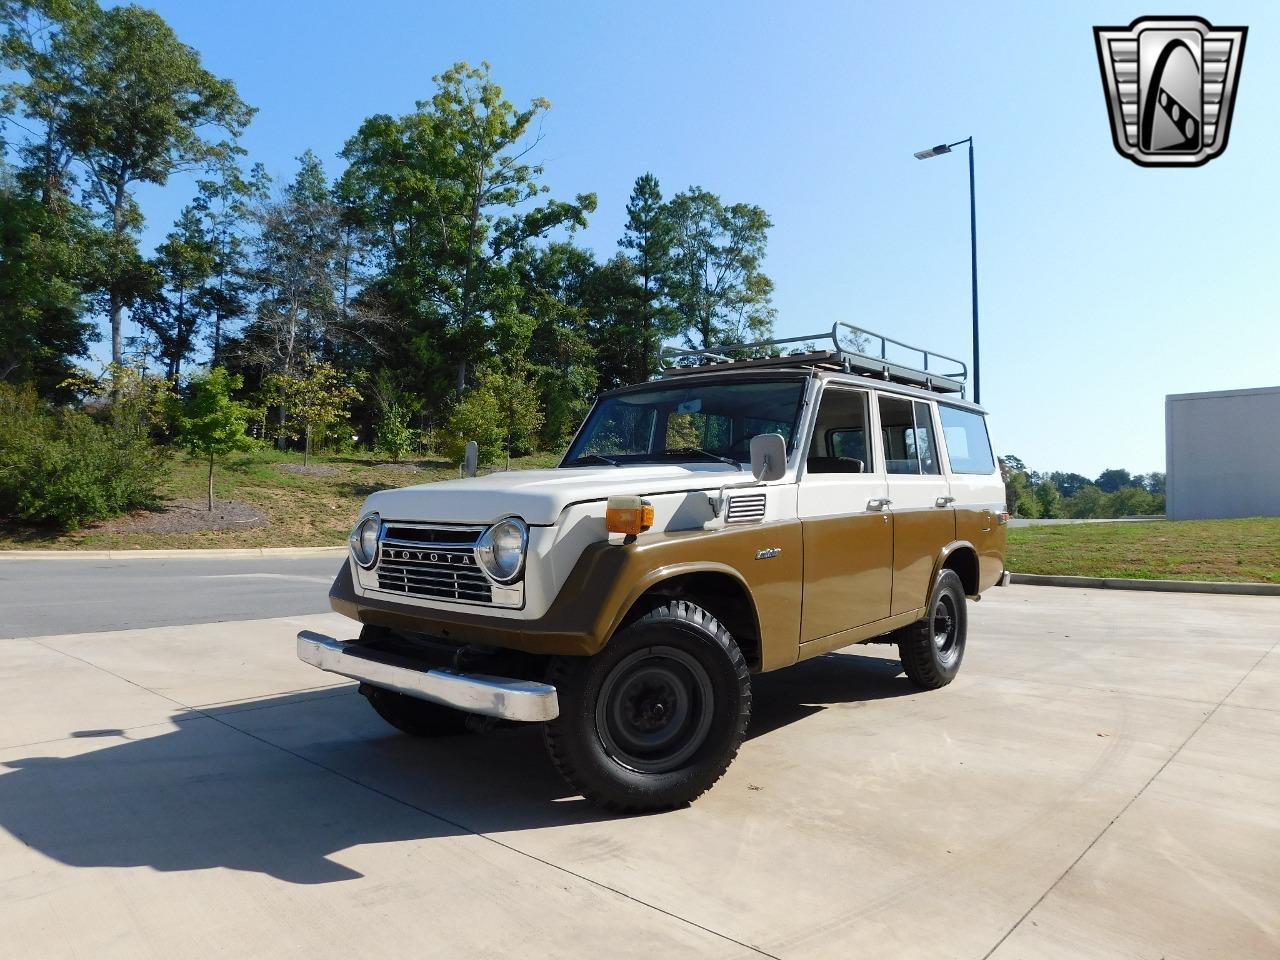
pixel 188 516
pixel 310 470
pixel 399 467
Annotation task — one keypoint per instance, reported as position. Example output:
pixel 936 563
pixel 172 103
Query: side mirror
pixel 768 456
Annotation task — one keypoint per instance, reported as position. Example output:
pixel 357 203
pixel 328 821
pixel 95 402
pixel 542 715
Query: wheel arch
pixel 718 588
pixel 962 557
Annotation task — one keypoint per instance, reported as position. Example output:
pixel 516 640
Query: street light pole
pixel 973 249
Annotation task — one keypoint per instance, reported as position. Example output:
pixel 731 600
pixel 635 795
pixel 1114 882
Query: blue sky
pixel 1104 286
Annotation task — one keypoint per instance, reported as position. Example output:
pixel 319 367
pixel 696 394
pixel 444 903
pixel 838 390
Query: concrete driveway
pixel 1102 781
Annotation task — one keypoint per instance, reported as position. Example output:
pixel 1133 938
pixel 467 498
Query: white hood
pixel 538 496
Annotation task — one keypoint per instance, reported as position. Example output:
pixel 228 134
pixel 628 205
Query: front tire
pixel 932 649
pixel 654 719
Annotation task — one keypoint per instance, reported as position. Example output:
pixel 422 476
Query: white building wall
pixel 1222 454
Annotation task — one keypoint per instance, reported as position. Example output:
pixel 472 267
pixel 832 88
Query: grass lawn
pixel 301 510
pixel 1234 550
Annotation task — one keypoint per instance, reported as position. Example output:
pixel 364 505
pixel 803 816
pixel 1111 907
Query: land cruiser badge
pixel 1170 84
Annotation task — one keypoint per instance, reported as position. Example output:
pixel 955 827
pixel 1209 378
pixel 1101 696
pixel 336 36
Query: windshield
pixel 675 423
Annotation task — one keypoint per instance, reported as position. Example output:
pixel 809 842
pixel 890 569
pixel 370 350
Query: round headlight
pixel 500 549
pixel 364 540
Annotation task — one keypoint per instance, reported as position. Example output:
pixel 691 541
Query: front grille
pixel 745 508
pixel 434 562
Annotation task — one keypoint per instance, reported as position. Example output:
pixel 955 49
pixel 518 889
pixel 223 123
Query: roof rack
pixel 865 353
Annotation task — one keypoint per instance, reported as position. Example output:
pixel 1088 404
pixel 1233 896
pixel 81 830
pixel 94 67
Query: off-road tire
pixel 928 662
pixel 687 643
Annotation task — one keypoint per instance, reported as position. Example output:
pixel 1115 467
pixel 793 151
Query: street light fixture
pixel 938 151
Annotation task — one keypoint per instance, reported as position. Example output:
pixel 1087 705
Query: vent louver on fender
pixel 748 508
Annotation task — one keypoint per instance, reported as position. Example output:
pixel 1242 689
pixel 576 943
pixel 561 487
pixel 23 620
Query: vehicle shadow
pixel 284 785
pixel 786 696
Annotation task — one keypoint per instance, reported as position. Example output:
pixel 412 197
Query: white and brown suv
pixel 728 519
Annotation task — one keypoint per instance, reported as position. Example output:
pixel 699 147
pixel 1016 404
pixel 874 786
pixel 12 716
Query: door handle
pixel 944 501
pixel 879 503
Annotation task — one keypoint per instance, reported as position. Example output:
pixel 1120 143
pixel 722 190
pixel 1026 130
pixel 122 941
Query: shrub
pixel 395 437
pixel 62 468
pixel 501 413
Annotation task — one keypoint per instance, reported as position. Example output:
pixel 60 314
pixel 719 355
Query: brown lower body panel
pixel 764 560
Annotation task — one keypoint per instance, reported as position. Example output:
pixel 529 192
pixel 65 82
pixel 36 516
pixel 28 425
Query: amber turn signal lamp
pixel 629 515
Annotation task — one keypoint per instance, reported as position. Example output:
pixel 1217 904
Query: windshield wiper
pixel 705 453
pixel 596 456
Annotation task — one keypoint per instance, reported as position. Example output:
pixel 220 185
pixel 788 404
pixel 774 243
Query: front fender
pixel 609 577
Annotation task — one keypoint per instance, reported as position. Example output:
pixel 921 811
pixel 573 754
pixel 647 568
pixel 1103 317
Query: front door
pixel 847 528
pixel 923 519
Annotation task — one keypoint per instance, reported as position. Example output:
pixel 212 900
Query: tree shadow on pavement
pixel 282 784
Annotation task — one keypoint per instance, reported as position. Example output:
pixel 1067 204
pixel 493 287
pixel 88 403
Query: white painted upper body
pixel 564 507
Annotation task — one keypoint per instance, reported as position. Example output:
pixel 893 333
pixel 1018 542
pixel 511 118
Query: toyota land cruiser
pixel 625 598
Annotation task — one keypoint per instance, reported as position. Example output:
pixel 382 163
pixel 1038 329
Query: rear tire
pixel 932 649
pixel 654 719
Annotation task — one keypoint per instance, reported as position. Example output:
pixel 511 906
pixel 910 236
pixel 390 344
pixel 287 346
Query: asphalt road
pixel 45 597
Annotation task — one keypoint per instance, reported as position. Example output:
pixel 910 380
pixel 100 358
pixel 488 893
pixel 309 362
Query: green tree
pixel 1129 502
pixel 1087 502
pixel 43 275
pixel 1067 483
pixel 716 286
pixel 208 421
pixel 648 236
pixel 300 283
pixel 124 97
pixel 1109 481
pixel 449 201
pixel 180 300
pixel 613 312
pixel 224 203
pixel 501 413
pixel 557 286
pixel 314 399
pixel 1049 499
pixel 1020 497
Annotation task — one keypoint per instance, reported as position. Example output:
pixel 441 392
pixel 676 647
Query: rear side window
pixel 907 431
pixel 968 446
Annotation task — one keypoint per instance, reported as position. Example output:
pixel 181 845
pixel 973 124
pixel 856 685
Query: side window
pixel 925 447
pixel 898 430
pixel 968 445
pixel 839 443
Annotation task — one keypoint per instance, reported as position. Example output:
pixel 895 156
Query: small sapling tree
pixel 208 421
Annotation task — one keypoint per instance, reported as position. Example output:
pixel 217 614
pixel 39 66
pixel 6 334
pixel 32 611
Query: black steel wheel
pixel 932 649
pixel 654 719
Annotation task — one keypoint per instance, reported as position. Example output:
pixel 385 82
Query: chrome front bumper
pixel 474 693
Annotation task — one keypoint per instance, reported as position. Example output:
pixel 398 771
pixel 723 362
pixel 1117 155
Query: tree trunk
pixel 306 447
pixel 211 481
pixel 117 323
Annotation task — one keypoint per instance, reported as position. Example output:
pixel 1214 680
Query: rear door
pixel 923 520
pixel 847 530
pixel 977 487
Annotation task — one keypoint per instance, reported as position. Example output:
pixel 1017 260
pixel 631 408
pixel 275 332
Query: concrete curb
pixel 1158 586
pixel 170 554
